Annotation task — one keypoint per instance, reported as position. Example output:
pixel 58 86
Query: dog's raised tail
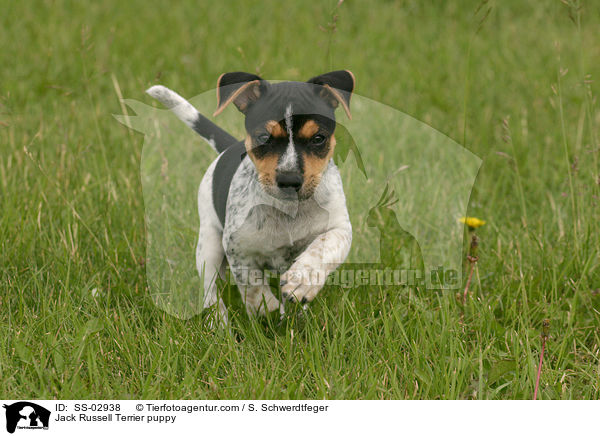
pixel 218 138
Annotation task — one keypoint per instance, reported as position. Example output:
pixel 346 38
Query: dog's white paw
pixel 301 283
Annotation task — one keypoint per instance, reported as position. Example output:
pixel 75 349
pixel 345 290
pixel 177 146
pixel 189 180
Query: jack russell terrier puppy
pixel 275 200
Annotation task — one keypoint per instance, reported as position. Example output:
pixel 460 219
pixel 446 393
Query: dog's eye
pixel 263 138
pixel 318 140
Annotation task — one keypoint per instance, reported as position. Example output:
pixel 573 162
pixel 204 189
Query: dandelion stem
pixel 472 258
pixel 473 262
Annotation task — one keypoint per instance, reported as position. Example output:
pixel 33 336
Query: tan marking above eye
pixel 275 129
pixel 309 129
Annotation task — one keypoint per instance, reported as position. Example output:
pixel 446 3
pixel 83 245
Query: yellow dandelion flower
pixel 472 222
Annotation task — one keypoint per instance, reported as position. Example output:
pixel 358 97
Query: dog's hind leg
pixel 209 257
pixel 209 251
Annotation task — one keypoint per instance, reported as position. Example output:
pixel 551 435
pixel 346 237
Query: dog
pixel 275 200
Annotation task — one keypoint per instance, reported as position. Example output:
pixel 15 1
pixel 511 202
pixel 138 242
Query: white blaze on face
pixel 288 160
pixel 288 120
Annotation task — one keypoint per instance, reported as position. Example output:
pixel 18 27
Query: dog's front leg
pixel 307 275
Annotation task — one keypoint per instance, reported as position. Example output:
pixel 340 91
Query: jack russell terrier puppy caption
pixel 273 201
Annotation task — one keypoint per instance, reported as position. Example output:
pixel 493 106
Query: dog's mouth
pixel 304 192
pixel 288 194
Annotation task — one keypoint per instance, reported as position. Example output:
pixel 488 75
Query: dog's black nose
pixel 289 180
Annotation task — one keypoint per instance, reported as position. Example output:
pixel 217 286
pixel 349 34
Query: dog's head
pixel 289 126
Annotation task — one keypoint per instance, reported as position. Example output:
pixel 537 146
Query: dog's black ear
pixel 240 88
pixel 336 88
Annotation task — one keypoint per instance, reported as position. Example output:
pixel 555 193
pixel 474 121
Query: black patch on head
pixel 276 97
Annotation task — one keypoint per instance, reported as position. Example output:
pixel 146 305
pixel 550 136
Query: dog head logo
pixel 26 415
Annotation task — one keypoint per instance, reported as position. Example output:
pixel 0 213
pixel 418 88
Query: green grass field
pixel 512 81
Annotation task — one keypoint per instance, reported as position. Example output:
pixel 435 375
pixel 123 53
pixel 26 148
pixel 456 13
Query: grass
pixel 514 84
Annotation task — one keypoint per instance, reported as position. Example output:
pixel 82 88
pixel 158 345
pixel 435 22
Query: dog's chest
pixel 270 238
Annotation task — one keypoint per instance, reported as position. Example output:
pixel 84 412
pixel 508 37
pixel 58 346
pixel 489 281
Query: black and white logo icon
pixel 26 415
